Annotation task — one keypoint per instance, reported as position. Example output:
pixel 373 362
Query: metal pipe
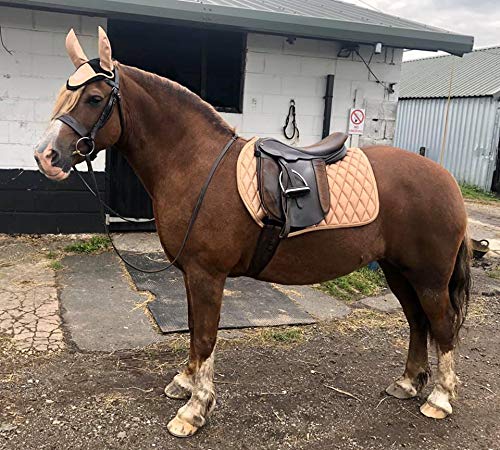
pixel 328 105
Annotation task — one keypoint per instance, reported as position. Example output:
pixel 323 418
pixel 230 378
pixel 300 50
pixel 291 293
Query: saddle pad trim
pixel 247 188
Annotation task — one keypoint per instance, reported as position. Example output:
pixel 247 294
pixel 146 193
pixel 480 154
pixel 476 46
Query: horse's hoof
pixel 402 389
pixel 433 411
pixel 180 428
pixel 176 391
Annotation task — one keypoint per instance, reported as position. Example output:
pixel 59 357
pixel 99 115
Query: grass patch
pixel 361 283
pixel 93 245
pixel 56 265
pixel 290 335
pixel 471 192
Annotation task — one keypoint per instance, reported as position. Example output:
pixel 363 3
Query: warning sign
pixel 356 121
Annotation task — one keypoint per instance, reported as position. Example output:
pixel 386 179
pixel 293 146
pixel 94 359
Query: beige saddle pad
pixel 353 190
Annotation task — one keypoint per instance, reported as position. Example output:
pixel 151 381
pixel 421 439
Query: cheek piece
pixel 91 71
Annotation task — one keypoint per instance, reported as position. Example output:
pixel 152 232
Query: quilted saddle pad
pixel 353 190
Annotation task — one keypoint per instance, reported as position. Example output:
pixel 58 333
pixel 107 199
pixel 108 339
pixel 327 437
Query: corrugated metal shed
pixel 476 74
pixel 321 19
pixel 472 136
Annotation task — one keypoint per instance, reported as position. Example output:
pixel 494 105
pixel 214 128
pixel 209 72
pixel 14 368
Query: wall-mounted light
pixel 378 48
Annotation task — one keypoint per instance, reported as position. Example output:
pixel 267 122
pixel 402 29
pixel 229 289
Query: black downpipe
pixel 328 105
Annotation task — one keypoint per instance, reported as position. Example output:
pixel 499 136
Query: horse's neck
pixel 168 138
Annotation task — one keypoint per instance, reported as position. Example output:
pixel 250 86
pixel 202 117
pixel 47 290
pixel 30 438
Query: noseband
pixel 87 137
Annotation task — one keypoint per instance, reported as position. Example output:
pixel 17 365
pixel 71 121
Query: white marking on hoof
pixel 433 412
pixel 180 428
pixel 402 389
pixel 437 405
pixel 180 388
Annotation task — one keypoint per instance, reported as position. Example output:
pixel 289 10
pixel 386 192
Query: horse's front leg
pixel 205 298
pixel 182 385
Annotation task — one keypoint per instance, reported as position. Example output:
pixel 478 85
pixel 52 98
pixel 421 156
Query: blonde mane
pixel 66 101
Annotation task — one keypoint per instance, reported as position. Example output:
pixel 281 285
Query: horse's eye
pixel 95 99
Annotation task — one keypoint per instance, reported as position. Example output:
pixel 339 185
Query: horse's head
pixel 86 116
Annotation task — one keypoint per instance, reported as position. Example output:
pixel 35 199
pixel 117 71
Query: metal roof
pixel 321 19
pixel 476 74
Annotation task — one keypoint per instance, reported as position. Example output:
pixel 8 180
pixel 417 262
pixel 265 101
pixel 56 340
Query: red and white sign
pixel 357 118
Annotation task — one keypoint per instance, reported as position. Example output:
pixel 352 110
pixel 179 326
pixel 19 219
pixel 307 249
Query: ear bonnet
pixel 87 70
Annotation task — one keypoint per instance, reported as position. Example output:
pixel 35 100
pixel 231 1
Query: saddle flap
pixel 277 191
pixel 322 183
pixel 268 181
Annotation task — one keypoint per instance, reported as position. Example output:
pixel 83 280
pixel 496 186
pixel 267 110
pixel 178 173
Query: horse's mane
pixel 156 84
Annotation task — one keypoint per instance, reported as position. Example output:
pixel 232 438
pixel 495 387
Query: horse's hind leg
pixel 205 299
pixel 417 369
pixel 442 319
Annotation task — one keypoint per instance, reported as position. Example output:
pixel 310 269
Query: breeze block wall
pixel 279 69
pixel 31 73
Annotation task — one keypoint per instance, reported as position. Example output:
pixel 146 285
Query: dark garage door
pixel 208 62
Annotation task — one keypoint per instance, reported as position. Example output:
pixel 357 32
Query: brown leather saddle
pixel 293 189
pixel 293 184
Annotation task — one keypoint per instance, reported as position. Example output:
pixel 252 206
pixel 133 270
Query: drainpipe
pixel 328 105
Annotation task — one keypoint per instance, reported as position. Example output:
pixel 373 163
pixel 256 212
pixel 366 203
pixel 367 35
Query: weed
pixel 361 283
pixel 494 274
pixel 289 335
pixel 95 244
pixel 56 265
pixel 51 255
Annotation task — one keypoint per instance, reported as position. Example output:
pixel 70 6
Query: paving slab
pixel 100 307
pixel 318 304
pixel 383 303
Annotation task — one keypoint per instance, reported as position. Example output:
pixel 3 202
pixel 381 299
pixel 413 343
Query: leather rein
pixel 87 137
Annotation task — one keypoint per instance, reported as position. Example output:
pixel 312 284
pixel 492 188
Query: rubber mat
pixel 246 303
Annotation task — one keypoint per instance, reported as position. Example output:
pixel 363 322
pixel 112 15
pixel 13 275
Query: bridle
pixel 87 137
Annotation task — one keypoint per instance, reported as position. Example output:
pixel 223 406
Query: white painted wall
pixel 276 71
pixel 31 77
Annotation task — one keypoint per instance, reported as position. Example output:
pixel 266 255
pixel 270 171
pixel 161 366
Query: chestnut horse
pixel 171 138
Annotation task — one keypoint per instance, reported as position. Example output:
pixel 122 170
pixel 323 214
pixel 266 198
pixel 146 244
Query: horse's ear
pixel 105 51
pixel 74 49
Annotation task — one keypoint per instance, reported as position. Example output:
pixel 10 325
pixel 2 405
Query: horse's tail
pixel 461 283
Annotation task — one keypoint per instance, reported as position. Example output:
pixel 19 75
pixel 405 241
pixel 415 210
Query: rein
pixel 88 137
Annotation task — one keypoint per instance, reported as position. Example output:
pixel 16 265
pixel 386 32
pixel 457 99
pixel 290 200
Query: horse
pixel 171 138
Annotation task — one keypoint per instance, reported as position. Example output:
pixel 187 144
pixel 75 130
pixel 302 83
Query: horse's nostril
pixel 56 156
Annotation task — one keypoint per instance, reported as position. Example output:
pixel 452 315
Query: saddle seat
pixel 330 149
pixel 293 184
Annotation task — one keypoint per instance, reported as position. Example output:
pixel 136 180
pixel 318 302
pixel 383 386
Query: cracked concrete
pixel 29 307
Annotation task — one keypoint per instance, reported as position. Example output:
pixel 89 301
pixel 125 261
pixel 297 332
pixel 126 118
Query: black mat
pixel 247 302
